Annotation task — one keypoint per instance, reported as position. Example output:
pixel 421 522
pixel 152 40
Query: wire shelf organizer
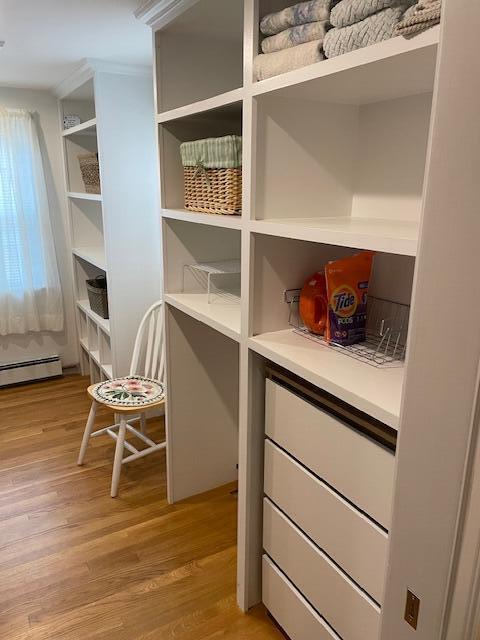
pixel 386 332
pixel 220 280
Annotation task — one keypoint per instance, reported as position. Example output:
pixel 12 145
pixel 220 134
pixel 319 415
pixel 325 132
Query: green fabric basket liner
pixel 213 153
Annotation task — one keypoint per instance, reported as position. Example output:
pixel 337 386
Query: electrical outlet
pixel 412 607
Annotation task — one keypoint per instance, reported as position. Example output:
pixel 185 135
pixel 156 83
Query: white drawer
pixel 344 606
pixel 289 608
pixel 354 542
pixel 358 468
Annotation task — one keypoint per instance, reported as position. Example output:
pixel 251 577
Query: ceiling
pixel 47 39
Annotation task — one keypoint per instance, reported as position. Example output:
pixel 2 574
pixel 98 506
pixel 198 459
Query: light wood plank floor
pixel 77 565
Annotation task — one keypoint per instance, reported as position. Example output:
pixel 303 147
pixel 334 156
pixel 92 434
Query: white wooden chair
pixel 132 395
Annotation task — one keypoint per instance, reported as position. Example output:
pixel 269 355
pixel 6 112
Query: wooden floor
pixel 76 564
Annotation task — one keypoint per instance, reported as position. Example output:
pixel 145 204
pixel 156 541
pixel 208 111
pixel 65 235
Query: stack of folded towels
pixel 310 31
pixel 294 38
pixel 360 23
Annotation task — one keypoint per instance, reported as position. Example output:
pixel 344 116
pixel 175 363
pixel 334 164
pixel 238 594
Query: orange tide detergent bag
pixel 347 292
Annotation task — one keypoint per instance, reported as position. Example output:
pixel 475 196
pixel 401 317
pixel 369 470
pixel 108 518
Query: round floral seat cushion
pixel 130 391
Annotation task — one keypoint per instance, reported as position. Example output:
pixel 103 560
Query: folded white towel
pixel 295 36
pixel 301 13
pixel 267 65
pixel 348 12
pixel 380 26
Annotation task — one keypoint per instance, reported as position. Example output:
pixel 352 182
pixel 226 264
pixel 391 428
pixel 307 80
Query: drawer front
pixel 358 468
pixel 289 608
pixel 352 614
pixel 355 543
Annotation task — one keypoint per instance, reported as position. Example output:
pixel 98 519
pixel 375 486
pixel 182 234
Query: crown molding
pixel 79 76
pixel 87 69
pixel 158 13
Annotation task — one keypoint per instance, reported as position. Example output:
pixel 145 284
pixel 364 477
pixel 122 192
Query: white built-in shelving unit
pixel 336 158
pixel 112 233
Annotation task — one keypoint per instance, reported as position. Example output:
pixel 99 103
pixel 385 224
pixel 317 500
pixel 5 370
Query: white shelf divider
pixel 230 97
pixel 94 197
pixel 212 219
pixel 373 390
pixel 107 370
pixel 389 236
pixel 93 255
pixel 88 128
pixel 222 317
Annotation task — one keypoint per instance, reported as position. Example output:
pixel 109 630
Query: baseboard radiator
pixel 30 370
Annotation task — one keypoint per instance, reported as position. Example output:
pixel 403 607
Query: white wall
pixel 31 345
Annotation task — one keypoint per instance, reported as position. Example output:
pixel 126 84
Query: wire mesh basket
pixel 386 332
pixel 220 280
pixel 98 296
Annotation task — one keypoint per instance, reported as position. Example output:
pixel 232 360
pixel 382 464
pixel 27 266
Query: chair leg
pixel 87 432
pixel 117 463
pixel 143 423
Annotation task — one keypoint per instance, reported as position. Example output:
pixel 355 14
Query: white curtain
pixel 30 291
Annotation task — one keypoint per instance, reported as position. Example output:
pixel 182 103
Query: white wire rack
pixel 220 280
pixel 386 332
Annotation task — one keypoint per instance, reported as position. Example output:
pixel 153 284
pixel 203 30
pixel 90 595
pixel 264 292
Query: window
pixel 30 292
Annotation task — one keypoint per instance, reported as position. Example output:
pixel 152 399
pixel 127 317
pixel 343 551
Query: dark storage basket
pixel 97 296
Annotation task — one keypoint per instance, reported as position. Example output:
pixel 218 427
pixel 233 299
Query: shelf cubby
pixel 84 270
pixel 200 54
pixel 105 351
pixel 193 244
pixel 355 178
pixel 92 254
pixel 223 121
pixel 93 340
pixel 77 144
pixel 84 307
pixel 203 380
pixel 87 224
pixel 387 70
pixel 281 264
pixel 80 102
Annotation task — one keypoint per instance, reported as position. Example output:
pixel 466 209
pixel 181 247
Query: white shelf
pixel 212 219
pixel 389 236
pixel 88 128
pixel 222 317
pixel 95 197
pixel 103 323
pixel 222 100
pixel 375 391
pixel 107 370
pixel 390 69
pixel 95 355
pixel 93 255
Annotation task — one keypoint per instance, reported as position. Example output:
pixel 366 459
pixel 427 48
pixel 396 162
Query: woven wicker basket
pixel 90 172
pixel 213 190
pixel 212 169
